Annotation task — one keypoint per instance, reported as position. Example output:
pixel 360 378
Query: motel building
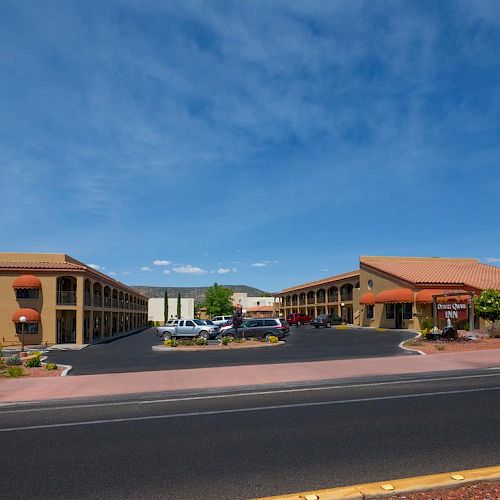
pixel 397 292
pixel 64 301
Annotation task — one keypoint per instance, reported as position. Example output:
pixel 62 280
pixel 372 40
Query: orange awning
pixel 425 296
pixel 31 315
pixel 367 299
pixel 394 295
pixel 26 281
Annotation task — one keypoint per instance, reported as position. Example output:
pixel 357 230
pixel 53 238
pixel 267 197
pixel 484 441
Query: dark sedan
pixel 327 320
pixel 260 328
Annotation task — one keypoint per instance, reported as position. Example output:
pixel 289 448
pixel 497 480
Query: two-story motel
pixel 395 292
pixel 63 301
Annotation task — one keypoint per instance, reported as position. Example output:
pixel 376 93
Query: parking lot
pixel 304 343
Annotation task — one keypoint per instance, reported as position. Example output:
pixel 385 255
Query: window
pixel 407 310
pixel 369 311
pixel 370 284
pixel 189 323
pixel 269 322
pixel 28 328
pixel 389 311
pixel 27 293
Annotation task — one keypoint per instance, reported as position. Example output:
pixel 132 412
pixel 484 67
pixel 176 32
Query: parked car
pixel 299 319
pixel 189 328
pixel 260 328
pixel 327 320
pixel 221 320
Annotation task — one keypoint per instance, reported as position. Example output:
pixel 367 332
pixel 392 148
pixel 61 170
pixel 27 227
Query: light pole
pixel 22 320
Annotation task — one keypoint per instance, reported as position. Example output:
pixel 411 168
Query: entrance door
pixel 398 315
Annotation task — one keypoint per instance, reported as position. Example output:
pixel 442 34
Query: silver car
pixel 189 328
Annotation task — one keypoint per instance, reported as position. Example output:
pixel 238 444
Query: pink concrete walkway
pixel 238 376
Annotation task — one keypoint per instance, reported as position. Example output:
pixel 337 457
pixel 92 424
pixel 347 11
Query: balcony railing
pixel 115 303
pixel 67 298
pixel 107 301
pixel 88 299
pixel 97 300
pixel 345 296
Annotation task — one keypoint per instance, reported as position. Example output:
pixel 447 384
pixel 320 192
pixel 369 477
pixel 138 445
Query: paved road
pixel 230 446
pixel 305 343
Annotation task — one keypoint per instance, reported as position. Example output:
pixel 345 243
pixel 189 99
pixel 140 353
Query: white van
pixel 220 320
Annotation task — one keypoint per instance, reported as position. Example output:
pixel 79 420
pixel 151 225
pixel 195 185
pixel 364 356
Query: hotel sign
pixel 454 310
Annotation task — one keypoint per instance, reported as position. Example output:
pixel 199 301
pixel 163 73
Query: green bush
pixel 14 360
pixel 15 371
pixel 226 340
pixel 200 341
pixel 33 362
pixel 36 353
pixel 427 324
pixel 51 366
pixel 170 343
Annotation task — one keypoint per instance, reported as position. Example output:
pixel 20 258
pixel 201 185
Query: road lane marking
pixel 247 410
pixel 234 395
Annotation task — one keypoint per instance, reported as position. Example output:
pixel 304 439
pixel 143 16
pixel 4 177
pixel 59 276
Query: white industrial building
pixel 156 306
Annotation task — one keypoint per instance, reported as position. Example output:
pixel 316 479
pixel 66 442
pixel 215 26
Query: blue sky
pixel 262 143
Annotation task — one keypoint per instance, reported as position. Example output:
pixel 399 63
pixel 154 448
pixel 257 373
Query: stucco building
pixel 396 292
pixel 156 308
pixel 337 294
pixel 64 301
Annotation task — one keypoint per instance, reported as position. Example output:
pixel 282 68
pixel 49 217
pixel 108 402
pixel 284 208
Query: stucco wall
pixel 156 305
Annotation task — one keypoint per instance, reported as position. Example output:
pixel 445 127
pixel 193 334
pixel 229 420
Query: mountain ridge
pixel 194 292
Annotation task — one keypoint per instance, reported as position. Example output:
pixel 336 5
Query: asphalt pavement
pixel 305 343
pixel 250 444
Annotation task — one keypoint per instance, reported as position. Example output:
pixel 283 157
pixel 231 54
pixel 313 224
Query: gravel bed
pixel 476 491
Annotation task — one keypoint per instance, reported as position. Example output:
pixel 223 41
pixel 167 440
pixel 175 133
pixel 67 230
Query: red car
pixel 299 319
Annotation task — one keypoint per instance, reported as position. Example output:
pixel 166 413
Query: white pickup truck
pixel 188 328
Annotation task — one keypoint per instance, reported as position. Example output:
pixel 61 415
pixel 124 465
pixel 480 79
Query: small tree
pixel 179 305
pixel 165 306
pixel 487 306
pixel 218 301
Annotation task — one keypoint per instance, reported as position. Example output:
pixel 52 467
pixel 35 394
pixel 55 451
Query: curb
pixel 216 348
pixel 409 348
pixel 398 486
pixel 66 370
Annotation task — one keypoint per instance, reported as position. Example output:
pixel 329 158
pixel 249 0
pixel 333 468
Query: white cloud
pixel 146 268
pixel 162 262
pixel 492 259
pixel 223 270
pixel 126 273
pixel 96 267
pixel 189 269
pixel 259 264
pixel 166 271
pixel 111 273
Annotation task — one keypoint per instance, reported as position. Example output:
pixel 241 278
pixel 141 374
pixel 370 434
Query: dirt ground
pixel 477 491
pixel 34 372
pixel 444 346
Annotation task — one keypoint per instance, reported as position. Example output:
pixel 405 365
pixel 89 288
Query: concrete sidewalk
pixel 85 386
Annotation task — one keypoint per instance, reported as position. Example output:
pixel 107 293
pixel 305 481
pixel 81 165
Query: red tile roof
pixel 421 271
pixel 40 266
pixel 260 308
pixel 324 281
pixel 62 266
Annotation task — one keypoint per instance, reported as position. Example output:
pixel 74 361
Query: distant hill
pixel 197 293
